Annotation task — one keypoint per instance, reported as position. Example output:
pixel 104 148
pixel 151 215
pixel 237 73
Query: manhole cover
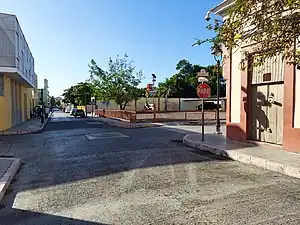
pixel 105 135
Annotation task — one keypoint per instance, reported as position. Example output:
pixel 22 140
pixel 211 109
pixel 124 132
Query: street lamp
pixel 218 55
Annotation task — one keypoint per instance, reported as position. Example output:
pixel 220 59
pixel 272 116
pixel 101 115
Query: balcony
pixel 12 68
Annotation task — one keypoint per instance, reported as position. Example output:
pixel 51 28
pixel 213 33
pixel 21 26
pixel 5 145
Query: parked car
pixel 73 111
pixel 79 113
pixel 208 106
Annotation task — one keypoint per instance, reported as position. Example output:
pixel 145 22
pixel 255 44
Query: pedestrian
pixel 38 111
pixel 47 111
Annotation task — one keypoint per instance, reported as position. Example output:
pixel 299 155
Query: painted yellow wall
pixel 6 102
pixel 5 106
pixel 235 108
pixel 297 100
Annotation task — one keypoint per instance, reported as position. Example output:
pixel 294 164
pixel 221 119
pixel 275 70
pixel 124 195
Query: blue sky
pixel 64 35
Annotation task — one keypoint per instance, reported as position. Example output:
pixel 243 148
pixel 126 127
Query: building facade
pixel 17 77
pixel 263 103
pixel 43 94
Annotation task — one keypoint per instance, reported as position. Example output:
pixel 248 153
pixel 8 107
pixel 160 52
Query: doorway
pixel 267 90
pixel 267 113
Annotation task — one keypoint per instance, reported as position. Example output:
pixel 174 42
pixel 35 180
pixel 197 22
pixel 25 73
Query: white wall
pixel 24 59
pixel 297 100
pixel 235 108
pixel 14 49
pixel 7 41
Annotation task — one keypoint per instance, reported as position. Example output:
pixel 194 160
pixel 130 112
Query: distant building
pixel 43 94
pixel 17 77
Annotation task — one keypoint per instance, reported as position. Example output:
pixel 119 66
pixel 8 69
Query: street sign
pixel 203 90
pixel 202 73
pixel 202 79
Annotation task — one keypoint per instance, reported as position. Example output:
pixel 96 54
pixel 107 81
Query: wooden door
pixel 267 113
pixel 274 133
pixel 260 121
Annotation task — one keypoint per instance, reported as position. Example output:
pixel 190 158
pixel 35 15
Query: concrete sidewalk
pixel 269 158
pixel 27 127
pixel 8 169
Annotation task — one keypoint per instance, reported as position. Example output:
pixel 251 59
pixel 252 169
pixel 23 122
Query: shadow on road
pixel 24 217
pixel 62 160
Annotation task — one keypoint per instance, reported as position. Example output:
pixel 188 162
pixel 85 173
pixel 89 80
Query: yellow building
pixel 17 77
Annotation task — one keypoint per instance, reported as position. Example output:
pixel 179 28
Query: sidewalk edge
pixel 27 132
pixel 266 164
pixel 6 179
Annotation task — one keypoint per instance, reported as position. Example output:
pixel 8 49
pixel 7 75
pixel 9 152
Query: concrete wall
pixel 22 104
pixel 297 100
pixel 235 108
pixel 15 54
pixel 5 106
pixel 7 41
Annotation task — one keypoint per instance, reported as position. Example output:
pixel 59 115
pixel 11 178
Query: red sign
pixel 203 90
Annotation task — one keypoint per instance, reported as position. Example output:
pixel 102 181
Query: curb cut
pixel 266 164
pixel 38 130
pixel 8 176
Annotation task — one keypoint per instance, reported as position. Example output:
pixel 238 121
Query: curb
pixel 8 176
pixel 27 132
pixel 128 125
pixel 266 164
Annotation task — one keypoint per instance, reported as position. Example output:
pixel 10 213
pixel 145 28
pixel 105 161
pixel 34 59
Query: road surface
pixel 85 172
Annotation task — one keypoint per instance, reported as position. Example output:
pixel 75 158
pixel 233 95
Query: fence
pixel 161 104
pixel 133 116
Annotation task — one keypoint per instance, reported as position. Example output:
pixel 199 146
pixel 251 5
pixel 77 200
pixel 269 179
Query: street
pixel 80 171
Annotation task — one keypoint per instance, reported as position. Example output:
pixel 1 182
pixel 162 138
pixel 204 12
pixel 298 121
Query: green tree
pixel 118 83
pixel 69 96
pixel 79 94
pixel 58 103
pixel 52 102
pixel 183 84
pixel 271 27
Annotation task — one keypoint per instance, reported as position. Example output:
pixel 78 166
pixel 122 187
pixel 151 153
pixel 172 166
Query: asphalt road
pixel 83 172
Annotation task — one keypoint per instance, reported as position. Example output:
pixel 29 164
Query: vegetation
pixel 79 94
pixel 119 83
pixel 183 84
pixel 272 25
pixel 52 102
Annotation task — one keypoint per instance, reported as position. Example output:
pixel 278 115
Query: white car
pixel 73 111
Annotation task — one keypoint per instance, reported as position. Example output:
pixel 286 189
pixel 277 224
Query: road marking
pixel 105 135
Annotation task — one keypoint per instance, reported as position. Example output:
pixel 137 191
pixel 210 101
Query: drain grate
pixel 105 135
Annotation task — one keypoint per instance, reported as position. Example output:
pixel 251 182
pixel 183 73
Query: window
pixel 17 44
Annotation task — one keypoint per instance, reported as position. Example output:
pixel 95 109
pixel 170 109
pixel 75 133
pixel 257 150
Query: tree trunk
pixel 122 107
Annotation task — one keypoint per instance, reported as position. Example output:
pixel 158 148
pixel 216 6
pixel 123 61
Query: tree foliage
pixel 79 94
pixel 118 83
pixel 52 102
pixel 183 84
pixel 272 26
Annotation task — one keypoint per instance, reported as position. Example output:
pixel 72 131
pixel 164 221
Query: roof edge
pixel 222 7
